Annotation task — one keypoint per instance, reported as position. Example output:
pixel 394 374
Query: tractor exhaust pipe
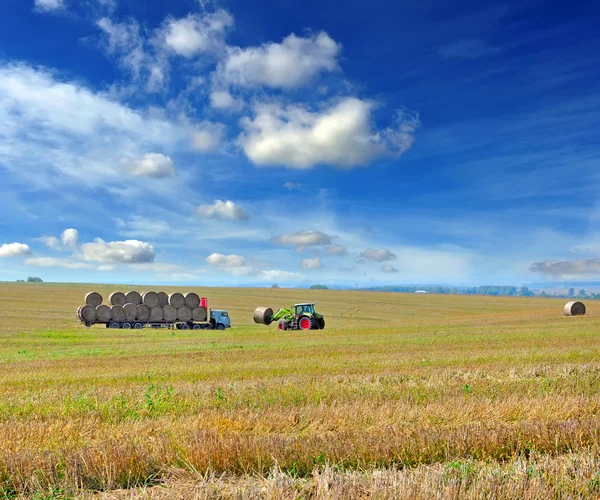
pixel 263 315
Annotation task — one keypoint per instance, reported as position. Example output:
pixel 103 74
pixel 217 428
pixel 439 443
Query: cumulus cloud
pixel 340 134
pixel 49 5
pixel 220 260
pixel 567 268
pixel 70 238
pixel 292 186
pixel 378 254
pixel 312 263
pixel 302 239
pixel 53 262
pixel 336 250
pixel 223 210
pixel 292 63
pixel 51 242
pixel 156 267
pixel 278 275
pixel 14 249
pixel 238 266
pixel 207 136
pixel 222 99
pixel 196 33
pixel 153 165
pixel 118 252
pixel 388 268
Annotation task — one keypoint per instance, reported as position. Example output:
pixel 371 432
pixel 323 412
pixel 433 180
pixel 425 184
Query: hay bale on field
pixel 117 299
pixel 184 313
pixel 93 299
pixel 199 314
pixel 192 300
pixel 170 313
pixel 163 299
pixel 117 312
pixel 79 312
pixel 177 300
pixel 142 312
pixel 130 312
pixel 574 308
pixel 150 299
pixel 263 315
pixel 156 314
pixel 87 313
pixel 103 314
pixel 133 298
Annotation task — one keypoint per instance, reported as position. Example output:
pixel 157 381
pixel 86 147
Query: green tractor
pixel 299 317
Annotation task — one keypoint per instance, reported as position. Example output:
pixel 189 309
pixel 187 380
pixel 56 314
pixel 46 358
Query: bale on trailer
pixel 199 314
pixel 103 314
pixel 192 300
pixel 575 308
pixel 156 314
pixel 117 313
pixel 163 299
pixel 117 299
pixel 130 311
pixel 87 313
pixel 133 298
pixel 93 299
pixel 184 313
pixel 150 299
pixel 142 312
pixel 263 315
pixel 177 300
pixel 170 313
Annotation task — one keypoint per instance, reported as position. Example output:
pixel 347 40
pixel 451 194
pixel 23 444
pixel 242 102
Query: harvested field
pixel 400 396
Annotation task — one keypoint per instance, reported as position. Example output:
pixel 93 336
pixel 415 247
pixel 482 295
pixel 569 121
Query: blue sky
pixel 227 142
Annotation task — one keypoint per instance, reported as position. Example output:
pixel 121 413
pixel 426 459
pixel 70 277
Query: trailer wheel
pixel 127 326
pixel 138 326
pixel 197 326
pixel 185 326
pixel 115 324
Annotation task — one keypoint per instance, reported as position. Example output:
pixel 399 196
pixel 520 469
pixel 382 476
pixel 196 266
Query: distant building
pixel 421 291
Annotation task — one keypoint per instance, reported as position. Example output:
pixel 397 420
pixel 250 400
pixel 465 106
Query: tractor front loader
pixel 298 317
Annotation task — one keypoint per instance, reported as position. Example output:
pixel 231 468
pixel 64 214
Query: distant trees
pixel 319 287
pixel 581 293
pixel 34 279
pixel 274 285
pixel 571 292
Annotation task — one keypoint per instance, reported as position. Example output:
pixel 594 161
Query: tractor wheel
pixel 283 325
pixel 305 323
pixel 321 323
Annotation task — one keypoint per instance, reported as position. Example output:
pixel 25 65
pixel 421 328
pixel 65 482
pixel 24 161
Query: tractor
pixel 299 317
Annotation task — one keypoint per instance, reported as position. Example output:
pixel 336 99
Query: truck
pixel 124 312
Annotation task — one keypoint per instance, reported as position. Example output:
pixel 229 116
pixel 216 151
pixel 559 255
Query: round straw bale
pixel 184 313
pixel 142 312
pixel 192 300
pixel 79 312
pixel 574 308
pixel 130 312
pixel 117 313
pixel 263 315
pixel 156 314
pixel 163 299
pixel 150 299
pixel 199 314
pixel 93 299
pixel 170 313
pixel 88 313
pixel 133 298
pixel 117 299
pixel 103 314
pixel 176 300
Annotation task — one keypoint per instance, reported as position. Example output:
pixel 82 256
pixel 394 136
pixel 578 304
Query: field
pixel 411 396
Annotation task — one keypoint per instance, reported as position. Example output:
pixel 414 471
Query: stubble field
pixel 401 395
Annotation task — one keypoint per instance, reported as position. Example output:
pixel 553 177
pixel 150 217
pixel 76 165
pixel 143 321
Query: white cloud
pixel 222 99
pixel 567 269
pixel 220 260
pixel 125 41
pixel 156 267
pixel 302 239
pixel 118 252
pixel 238 266
pixel 278 275
pixel 292 63
pixel 153 165
pixel 378 254
pixel 51 242
pixel 14 249
pixel 291 186
pixel 340 134
pixel 207 136
pixel 53 262
pixel 223 210
pixel 196 33
pixel 388 268
pixel 336 250
pixel 312 263
pixel 70 238
pixel 49 5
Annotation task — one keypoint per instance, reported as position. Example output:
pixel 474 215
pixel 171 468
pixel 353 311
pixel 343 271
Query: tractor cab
pixel 302 309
